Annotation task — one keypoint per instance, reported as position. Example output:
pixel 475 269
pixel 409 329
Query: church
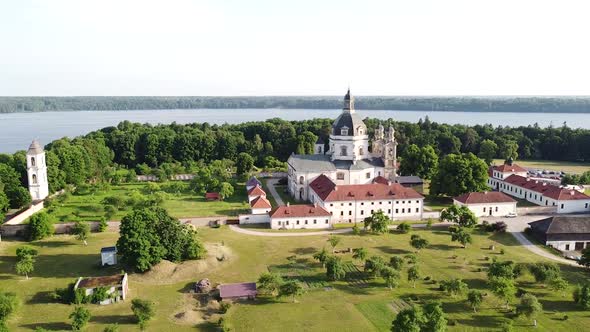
pixel 347 160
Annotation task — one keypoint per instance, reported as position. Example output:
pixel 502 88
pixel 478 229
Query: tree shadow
pixel 445 247
pixel 482 321
pixel 559 305
pixel 41 298
pixel 304 251
pixel 114 319
pixel 55 244
pixel 54 326
pixel 392 251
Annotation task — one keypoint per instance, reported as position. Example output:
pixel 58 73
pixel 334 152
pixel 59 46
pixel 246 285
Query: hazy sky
pixel 296 47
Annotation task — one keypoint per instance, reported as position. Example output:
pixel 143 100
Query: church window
pixel 340 176
pixel 34 179
pixel 368 175
pixel 33 161
pixel 344 131
pixel 361 151
pixel 360 132
pixel 343 150
pixel 301 180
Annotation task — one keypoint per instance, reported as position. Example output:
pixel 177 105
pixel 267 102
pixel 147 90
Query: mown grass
pixel 89 206
pixel 566 166
pixel 342 306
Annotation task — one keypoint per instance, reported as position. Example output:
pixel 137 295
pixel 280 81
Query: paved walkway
pixel 535 249
pixel 285 234
pixel 273 191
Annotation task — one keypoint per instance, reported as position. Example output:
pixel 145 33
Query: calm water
pixel 17 130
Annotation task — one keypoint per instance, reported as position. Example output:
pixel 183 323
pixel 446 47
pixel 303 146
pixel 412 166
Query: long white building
pixel 353 203
pixel 512 180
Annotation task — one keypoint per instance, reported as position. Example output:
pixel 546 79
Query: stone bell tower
pixel 385 147
pixel 37 172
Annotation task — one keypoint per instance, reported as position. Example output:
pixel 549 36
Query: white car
pixel 511 215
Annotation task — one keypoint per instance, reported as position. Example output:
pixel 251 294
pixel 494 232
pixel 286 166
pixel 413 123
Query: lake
pixel 17 130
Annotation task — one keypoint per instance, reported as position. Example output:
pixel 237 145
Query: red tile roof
pixel 485 197
pixel 329 191
pixel 547 190
pixel 256 191
pixel 260 202
pixel 299 211
pixel 514 168
pixel 381 179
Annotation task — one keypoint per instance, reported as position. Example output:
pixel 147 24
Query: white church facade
pixel 37 172
pixel 347 161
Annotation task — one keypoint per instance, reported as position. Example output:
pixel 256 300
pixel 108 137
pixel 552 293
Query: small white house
pixel 300 216
pixel 260 205
pixel 108 256
pixel 487 204
pixel 116 287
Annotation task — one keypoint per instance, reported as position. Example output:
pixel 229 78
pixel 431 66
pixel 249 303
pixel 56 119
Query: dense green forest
pixel 465 104
pixel 174 148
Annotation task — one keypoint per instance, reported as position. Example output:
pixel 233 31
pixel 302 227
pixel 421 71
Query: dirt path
pixel 273 191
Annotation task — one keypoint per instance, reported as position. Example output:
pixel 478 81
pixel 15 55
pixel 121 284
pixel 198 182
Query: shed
pixel 108 256
pixel 212 196
pixel 116 286
pixel 244 290
pixel 564 233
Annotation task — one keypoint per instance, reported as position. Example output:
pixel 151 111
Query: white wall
pixel 253 218
pixel 261 211
pixel 357 211
pixel 561 245
pixel 301 223
pixel 483 210
pixel 25 214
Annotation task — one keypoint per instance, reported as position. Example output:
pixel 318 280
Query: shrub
pixel 40 226
pixel 502 251
pixel 499 227
pixel 356 230
pixel 565 317
pixel 452 322
pixel 404 228
pixel 102 224
pixel 224 307
pixel 100 294
pixel 80 296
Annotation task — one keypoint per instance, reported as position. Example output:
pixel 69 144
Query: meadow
pixel 357 303
pixel 88 206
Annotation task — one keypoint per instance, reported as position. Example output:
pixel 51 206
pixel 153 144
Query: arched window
pixel 343 150
pixel 344 131
pixel 301 193
pixel 360 131
pixel 34 177
pixel 361 151
pixel 33 161
pixel 301 180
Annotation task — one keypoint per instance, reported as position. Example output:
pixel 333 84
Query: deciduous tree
pixel 413 275
pixel 143 311
pixel 291 288
pixel 475 299
pixel 378 222
pixel 80 317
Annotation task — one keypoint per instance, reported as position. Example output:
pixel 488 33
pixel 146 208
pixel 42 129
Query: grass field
pixel 344 306
pixel 566 166
pixel 89 206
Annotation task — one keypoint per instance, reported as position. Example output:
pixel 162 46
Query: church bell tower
pixel 37 172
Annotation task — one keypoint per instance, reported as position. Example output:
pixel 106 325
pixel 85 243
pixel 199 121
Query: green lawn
pixel 89 206
pixel 437 203
pixel 566 166
pixel 344 306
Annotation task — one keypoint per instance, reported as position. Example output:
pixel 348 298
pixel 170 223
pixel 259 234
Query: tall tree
pixel 80 317
pixel 335 268
pixel 40 226
pixel 408 320
pixel 529 306
pixel 475 299
pixel 143 311
pixel 378 222
pixel 434 318
pixel 461 215
pixel 244 163
pixel 459 174
pixel 413 275
pixel 487 151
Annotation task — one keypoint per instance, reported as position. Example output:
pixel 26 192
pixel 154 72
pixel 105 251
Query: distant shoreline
pixel 510 104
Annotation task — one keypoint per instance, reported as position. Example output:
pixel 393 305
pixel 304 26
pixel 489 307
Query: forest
pixel 174 148
pixel 463 104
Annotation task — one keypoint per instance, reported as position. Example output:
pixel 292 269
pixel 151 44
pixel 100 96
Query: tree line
pixel 460 104
pixel 424 147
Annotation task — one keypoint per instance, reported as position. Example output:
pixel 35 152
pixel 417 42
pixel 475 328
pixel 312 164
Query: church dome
pixel 350 122
pixel 35 148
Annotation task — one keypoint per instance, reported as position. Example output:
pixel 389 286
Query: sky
pixel 303 47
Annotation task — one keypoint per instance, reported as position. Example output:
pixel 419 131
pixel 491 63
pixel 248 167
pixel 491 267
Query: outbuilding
pixel 484 204
pixel 108 256
pixel 116 287
pixel 563 233
pixel 239 291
